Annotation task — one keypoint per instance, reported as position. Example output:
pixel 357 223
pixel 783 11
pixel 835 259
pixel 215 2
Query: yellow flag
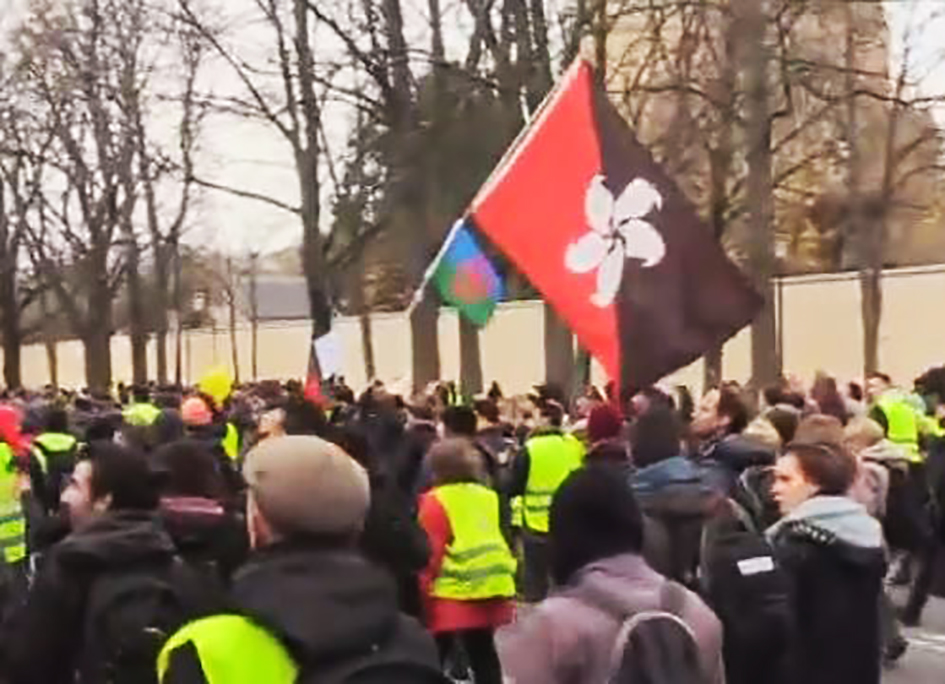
pixel 216 383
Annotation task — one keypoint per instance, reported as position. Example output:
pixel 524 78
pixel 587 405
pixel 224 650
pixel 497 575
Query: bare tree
pixel 80 60
pixel 23 146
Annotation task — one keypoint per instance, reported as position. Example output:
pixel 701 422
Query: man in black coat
pixel 110 503
pixel 832 551
pixel 306 582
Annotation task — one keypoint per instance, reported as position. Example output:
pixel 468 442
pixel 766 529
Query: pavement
pixel 924 662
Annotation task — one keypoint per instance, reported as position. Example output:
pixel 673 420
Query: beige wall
pixel 821 331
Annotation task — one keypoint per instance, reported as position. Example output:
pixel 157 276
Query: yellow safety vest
pixel 141 415
pixel 903 426
pixel 52 443
pixel 12 519
pixel 232 650
pixel 517 507
pixel 231 442
pixel 551 458
pixel 478 564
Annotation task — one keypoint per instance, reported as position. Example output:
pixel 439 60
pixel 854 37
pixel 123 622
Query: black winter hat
pixel 594 515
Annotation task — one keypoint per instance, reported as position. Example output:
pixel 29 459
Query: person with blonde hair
pixel 865 440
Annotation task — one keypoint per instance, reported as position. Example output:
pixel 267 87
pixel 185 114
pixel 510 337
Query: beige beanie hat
pixel 305 485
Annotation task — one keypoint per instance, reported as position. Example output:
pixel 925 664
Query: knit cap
pixel 305 485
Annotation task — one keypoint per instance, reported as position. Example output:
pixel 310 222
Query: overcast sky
pixel 252 156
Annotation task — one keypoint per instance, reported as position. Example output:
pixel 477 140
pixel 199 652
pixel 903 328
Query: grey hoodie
pixel 838 516
pixel 567 640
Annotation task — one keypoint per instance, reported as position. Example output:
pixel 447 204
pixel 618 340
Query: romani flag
pixel 583 210
pixel 466 278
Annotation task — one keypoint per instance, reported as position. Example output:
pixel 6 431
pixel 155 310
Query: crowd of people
pixel 168 535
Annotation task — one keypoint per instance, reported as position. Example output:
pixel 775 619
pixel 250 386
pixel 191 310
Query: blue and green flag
pixel 466 278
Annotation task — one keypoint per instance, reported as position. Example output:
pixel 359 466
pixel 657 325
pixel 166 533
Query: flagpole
pixel 493 178
pixel 431 269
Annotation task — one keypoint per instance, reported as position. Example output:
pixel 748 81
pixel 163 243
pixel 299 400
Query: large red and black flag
pixel 583 210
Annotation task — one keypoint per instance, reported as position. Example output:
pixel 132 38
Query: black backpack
pixel 749 591
pixel 407 657
pixel 657 647
pixel 129 615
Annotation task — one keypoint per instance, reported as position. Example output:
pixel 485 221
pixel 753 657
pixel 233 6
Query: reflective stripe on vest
pixel 551 458
pixel 12 520
pixel 903 425
pixel 478 564
pixel 518 511
pixel 231 442
pixel 141 415
pixel 232 650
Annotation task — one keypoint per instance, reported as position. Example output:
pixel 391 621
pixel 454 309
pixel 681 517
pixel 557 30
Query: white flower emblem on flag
pixel 618 232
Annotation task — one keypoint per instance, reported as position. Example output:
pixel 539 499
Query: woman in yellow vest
pixel 469 583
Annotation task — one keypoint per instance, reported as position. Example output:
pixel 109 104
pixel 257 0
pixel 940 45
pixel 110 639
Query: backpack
pixel 129 615
pixel 657 647
pixel 749 592
pixel 409 658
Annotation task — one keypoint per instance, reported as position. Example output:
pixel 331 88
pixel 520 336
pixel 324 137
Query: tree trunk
pixel 559 351
pixel 759 190
pixel 234 345
pixel 364 321
pixel 179 309
pixel 720 169
pixel 582 372
pixel 470 359
pixel 367 344
pixel 871 301
pixel 98 358
pixel 49 341
pixel 9 304
pixel 712 370
pixel 254 313
pixel 161 308
pixel 425 342
pixel 136 319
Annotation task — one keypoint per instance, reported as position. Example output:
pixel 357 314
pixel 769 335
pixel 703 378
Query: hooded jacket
pixel 676 496
pixel 569 638
pixel 833 554
pixel 326 605
pixel 41 639
pixel 729 457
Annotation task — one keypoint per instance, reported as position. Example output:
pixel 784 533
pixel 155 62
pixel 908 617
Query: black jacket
pixel 835 565
pixel 325 604
pixel 206 534
pixel 395 541
pixel 41 639
pixel 729 457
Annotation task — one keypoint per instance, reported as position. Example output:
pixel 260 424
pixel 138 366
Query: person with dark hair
pixel 469 582
pixel 602 579
pixel 193 508
pixel 828 399
pixel 110 503
pixel 546 460
pixel 832 551
pixel 392 537
pixel 676 494
pixel 55 449
pixel 785 419
pixel 720 418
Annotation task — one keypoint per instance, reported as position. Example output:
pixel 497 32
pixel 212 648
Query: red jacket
pixel 449 615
